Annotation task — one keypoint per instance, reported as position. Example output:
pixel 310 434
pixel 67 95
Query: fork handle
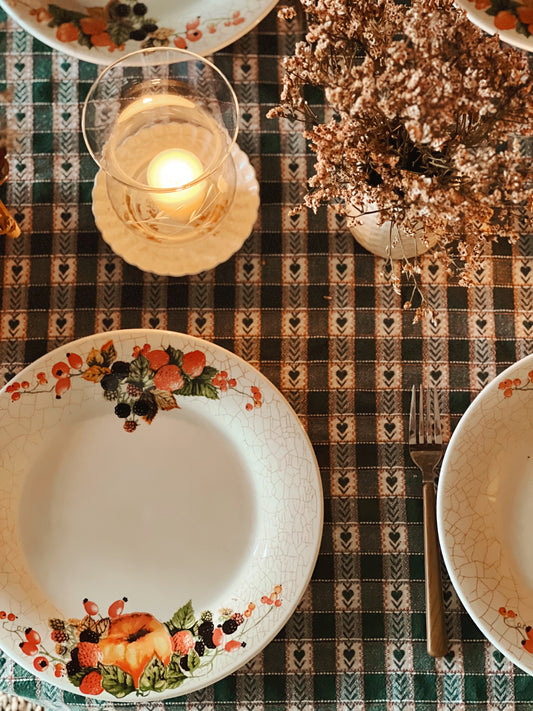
pixel 437 641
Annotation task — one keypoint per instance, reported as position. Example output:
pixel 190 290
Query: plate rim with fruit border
pixel 165 367
pixel 477 516
pixel 96 35
pixel 488 15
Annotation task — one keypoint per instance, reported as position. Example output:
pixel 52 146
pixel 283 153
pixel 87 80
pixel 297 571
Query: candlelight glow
pixel 174 168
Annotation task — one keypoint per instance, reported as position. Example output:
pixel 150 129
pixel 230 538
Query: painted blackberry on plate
pixel 124 653
pixel 153 380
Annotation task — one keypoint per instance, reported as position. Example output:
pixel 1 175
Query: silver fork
pixel 425 447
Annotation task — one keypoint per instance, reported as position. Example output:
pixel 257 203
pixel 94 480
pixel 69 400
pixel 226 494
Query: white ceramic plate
pixel 512 20
pixel 161 515
pixel 103 32
pixel 484 505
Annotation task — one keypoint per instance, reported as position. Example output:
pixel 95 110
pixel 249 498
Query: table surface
pixel 319 317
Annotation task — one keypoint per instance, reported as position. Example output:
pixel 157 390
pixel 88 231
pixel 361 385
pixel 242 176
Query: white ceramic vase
pixel 384 240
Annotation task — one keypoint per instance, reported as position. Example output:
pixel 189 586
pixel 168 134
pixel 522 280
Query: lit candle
pixel 174 168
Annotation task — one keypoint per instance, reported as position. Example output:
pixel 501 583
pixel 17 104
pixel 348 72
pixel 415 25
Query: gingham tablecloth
pixel 319 317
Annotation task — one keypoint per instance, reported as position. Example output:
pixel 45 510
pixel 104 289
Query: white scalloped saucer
pixel 181 259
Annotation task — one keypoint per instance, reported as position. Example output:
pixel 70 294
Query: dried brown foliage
pixel 426 122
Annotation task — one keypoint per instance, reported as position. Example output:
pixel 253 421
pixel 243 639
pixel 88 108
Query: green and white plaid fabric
pixel 320 318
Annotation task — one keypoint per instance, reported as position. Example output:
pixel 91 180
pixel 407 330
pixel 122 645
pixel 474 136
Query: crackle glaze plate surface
pixel 161 515
pixel 484 504
pixel 511 19
pixel 101 33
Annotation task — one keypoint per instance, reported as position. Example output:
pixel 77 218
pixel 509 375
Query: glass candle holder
pixel 161 123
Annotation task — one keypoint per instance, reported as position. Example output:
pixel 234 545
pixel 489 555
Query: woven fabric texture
pixel 319 317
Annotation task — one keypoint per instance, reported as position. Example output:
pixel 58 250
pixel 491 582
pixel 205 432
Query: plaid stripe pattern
pixel 319 317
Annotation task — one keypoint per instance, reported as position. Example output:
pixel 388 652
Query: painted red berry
pixel 117 607
pixel 11 617
pixel 24 385
pixel 29 648
pixel 60 670
pixel 232 382
pixel 60 370
pixel 40 663
pixel 193 35
pixel 182 642
pixel 168 378
pixel 232 645
pixel 157 358
pixel 2 615
pixel 59 636
pixel 218 635
pixel 75 361
pixel 32 636
pixel 91 608
pixel 194 363
pixel 277 603
pixel 249 406
pixel 89 654
pixel 62 385
pixel 15 396
pixel 92 684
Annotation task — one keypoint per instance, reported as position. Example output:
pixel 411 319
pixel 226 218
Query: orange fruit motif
pixel 92 684
pixel 102 40
pixel 525 14
pixel 67 32
pixel 505 20
pixel 133 641
pixel 93 25
pixel 194 363
pixel 62 385
pixel 60 370
pixel 157 359
pixel 182 642
pixel 168 378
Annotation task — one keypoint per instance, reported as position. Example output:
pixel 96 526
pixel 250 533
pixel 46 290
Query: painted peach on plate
pixel 134 640
pixel 134 652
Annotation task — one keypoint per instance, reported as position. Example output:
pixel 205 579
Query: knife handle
pixel 437 640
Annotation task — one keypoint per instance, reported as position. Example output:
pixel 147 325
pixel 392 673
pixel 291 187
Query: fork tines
pixel 426 428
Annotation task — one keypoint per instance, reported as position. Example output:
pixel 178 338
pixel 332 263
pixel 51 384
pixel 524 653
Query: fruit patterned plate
pixel 161 515
pixel 484 506
pixel 91 31
pixel 511 19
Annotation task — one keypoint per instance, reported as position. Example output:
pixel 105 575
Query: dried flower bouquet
pixel 426 123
